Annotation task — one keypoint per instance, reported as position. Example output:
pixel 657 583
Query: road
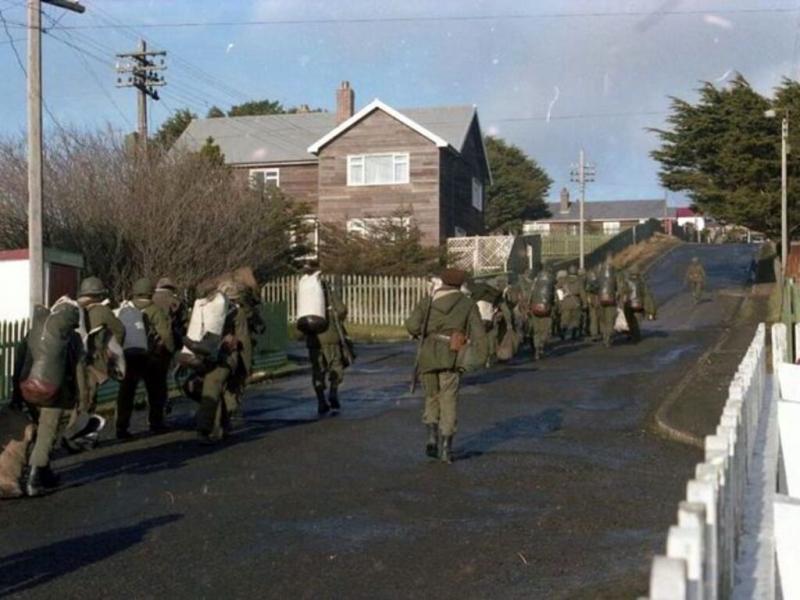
pixel 559 490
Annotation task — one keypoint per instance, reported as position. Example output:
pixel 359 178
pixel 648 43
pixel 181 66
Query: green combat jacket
pixel 98 315
pixel 160 327
pixel 451 311
pixel 329 337
pixel 695 273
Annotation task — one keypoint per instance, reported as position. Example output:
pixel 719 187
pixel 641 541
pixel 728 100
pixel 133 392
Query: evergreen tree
pixel 212 152
pixel 215 112
pixel 725 154
pixel 519 189
pixel 172 128
pixel 257 107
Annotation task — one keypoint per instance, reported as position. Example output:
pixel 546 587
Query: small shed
pixel 62 271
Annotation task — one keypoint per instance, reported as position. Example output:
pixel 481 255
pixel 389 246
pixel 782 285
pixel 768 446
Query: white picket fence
pixel 370 299
pixel 738 530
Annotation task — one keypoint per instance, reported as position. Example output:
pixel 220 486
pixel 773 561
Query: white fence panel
pixel 370 299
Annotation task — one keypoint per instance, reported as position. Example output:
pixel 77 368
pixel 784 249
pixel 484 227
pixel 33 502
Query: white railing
pixel 705 543
pixel 370 299
pixel 480 254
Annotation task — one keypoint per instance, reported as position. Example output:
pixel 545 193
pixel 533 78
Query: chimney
pixel 564 201
pixel 345 101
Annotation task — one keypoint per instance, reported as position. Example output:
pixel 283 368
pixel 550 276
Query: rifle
pixel 348 355
pixel 423 334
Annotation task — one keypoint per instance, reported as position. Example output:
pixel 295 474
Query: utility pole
pixel 34 93
pixel 583 173
pixel 784 190
pixel 139 70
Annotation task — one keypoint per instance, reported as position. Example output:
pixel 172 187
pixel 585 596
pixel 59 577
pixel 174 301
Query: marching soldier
pixel 607 294
pixel 696 278
pixel 221 378
pixel 571 301
pixel 92 296
pixel 167 299
pixel 635 298
pixel 541 306
pixel 329 352
pixel 592 306
pixel 150 365
pixel 450 328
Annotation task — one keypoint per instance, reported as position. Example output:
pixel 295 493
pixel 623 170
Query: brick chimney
pixel 564 201
pixel 345 102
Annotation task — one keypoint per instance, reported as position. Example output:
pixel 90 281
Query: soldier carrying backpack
pixel 149 346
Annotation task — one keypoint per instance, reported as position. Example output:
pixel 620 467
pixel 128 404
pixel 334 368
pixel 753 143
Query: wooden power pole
pixel 35 244
pixel 139 70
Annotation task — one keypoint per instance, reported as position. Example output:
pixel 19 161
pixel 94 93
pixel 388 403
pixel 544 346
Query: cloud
pixel 717 21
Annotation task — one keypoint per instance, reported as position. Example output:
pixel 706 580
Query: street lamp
pixel 771 114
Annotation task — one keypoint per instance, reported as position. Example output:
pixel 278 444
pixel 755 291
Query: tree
pixel 215 112
pixel 725 154
pixel 519 189
pixel 257 107
pixel 172 128
pixel 212 152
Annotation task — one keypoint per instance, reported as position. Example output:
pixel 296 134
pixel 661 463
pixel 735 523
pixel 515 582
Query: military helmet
pixel 561 274
pixel 92 286
pixel 143 287
pixel 231 289
pixel 165 283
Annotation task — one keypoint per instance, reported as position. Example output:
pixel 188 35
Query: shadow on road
pixel 521 427
pixel 31 568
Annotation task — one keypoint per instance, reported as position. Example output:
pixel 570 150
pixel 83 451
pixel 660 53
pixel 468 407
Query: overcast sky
pixel 601 69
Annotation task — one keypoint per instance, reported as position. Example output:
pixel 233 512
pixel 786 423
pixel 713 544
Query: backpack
pixel 133 319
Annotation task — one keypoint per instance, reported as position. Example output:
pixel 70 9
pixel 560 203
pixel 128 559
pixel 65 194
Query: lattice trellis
pixel 480 254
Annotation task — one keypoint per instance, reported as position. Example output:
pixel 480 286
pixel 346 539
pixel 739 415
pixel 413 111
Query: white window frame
pixel 534 227
pixel 611 227
pixel 361 225
pixel 477 194
pixel 398 158
pixel 313 236
pixel 270 174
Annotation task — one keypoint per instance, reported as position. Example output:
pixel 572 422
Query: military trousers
pixel 153 371
pixel 212 415
pixel 607 316
pixel 634 332
pixel 46 435
pixel 327 366
pixel 441 399
pixel 571 317
pixel 593 316
pixel 540 331
pixel 697 290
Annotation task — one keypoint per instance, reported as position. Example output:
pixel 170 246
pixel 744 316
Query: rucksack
pixel 134 321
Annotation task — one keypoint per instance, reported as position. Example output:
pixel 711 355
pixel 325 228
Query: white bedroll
pixel 206 325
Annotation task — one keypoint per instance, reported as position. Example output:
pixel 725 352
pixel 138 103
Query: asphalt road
pixel 558 491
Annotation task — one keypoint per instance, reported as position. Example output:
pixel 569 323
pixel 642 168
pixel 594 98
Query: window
pixel 377 169
pixel 477 194
pixel 371 226
pixel 611 227
pixel 261 178
pixel 460 232
pixel 541 228
pixel 308 237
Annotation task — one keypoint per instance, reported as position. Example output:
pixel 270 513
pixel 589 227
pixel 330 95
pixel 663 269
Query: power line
pixel 441 18
pixel 648 113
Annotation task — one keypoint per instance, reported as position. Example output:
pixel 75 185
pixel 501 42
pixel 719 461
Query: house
pixel 62 275
pixel 600 217
pixel 687 216
pixel 352 168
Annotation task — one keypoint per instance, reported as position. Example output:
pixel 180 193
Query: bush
pixel 129 215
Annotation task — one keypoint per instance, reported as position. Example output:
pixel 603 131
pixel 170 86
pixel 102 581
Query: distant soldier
pixel 607 299
pixel 541 306
pixel 149 364
pixel 240 371
pixel 696 278
pixel 450 326
pixel 592 306
pixel 92 297
pixel 166 297
pixel 327 351
pixel 636 299
pixel 571 298
pixel 487 298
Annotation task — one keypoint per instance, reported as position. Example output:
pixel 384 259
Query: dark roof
pixel 286 138
pixel 608 210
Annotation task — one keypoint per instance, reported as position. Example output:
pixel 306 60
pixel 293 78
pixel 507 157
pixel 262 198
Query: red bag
pixel 540 310
pixel 39 392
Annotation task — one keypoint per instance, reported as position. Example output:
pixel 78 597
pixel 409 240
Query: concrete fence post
pixel 705 493
pixel 668 579
pixel 687 543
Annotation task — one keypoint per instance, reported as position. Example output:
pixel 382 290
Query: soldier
pixel 635 298
pixel 541 306
pixel 607 294
pixel 328 351
pixel 571 300
pixel 212 417
pixel 234 389
pixel 696 278
pixel 40 477
pixel 150 365
pixel 592 306
pixel 167 299
pixel 450 326
pixel 92 296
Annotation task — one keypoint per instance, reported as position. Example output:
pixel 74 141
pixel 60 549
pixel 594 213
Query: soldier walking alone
pixel 696 278
pixel 450 327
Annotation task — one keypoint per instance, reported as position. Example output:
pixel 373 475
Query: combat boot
pixel 34 486
pixel 333 400
pixel 322 404
pixel 446 449
pixel 48 478
pixel 432 445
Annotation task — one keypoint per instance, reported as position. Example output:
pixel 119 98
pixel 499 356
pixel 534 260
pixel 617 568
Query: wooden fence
pixel 370 299
pixel 11 333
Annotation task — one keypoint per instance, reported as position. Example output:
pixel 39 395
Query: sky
pixel 550 76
